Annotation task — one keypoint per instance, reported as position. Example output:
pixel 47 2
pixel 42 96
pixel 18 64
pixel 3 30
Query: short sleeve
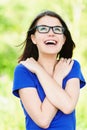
pixel 23 78
pixel 75 73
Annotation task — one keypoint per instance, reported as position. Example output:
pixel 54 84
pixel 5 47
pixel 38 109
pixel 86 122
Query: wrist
pixel 58 79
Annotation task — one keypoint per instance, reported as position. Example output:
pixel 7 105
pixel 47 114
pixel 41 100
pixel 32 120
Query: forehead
pixel 49 20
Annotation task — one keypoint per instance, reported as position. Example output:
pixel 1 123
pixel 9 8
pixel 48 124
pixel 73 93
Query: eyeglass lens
pixel 46 29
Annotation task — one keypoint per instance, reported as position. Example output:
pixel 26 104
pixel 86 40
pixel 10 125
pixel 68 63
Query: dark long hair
pixel 30 49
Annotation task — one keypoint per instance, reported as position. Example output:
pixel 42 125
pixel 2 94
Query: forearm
pixel 42 113
pixel 53 85
pixel 45 114
pixel 54 92
pixel 48 112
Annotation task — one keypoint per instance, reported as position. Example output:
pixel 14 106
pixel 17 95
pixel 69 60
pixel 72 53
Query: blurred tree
pixel 15 18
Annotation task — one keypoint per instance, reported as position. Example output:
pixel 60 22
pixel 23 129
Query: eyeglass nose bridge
pixel 51 28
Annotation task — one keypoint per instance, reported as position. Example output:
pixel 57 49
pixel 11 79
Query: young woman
pixel 47 80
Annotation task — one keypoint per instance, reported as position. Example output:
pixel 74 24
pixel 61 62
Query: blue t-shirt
pixel 23 78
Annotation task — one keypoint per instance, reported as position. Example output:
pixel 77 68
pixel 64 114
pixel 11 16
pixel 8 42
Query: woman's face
pixel 49 42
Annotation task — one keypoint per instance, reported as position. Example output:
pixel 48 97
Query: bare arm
pixel 65 100
pixel 42 113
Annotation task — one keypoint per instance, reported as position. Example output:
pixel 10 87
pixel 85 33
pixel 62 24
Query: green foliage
pixel 8 59
pixel 15 18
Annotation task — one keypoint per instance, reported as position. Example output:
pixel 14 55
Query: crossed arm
pixel 56 98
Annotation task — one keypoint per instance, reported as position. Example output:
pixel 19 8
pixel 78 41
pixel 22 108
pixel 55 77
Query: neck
pixel 48 63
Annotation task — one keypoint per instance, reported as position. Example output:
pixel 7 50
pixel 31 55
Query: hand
pixel 30 64
pixel 62 68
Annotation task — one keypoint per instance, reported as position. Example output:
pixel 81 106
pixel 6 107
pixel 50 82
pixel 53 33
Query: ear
pixel 33 38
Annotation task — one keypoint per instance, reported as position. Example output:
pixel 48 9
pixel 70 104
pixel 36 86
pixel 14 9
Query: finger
pixel 65 60
pixel 62 59
pixel 21 62
pixel 28 59
pixel 72 62
pixel 69 61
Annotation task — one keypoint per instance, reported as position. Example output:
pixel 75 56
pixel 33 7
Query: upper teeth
pixel 50 41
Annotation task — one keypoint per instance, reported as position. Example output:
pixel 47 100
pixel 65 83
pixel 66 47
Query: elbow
pixel 44 124
pixel 67 109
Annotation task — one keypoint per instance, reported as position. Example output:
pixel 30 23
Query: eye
pixel 42 28
pixel 58 29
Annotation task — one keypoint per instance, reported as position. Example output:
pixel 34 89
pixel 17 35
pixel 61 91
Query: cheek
pixel 62 40
pixel 38 38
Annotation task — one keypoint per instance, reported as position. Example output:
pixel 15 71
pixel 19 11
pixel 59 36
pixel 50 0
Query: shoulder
pixel 76 72
pixel 23 78
pixel 76 68
pixel 76 63
pixel 22 69
pixel 22 75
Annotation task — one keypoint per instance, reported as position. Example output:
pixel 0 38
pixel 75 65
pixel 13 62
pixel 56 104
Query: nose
pixel 51 32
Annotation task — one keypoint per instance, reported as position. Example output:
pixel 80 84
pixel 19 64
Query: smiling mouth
pixel 50 42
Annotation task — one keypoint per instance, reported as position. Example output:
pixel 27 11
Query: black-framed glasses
pixel 46 29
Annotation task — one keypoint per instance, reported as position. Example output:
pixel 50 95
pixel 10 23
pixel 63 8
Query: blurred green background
pixel 15 18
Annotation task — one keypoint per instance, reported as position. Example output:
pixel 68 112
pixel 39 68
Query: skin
pixel 54 72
